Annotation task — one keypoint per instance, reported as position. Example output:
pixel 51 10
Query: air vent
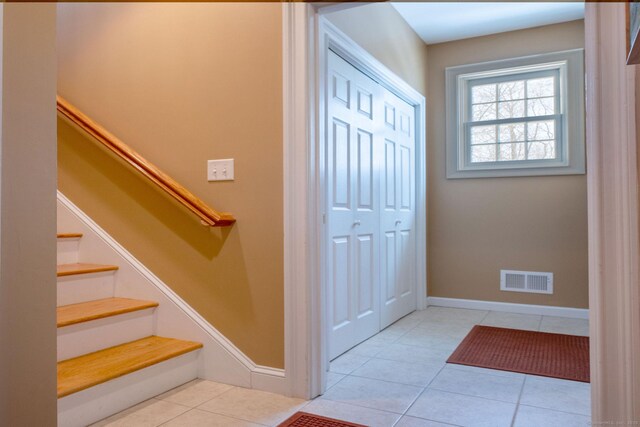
pixel 526 281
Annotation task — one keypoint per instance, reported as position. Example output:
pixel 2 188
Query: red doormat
pixel 303 419
pixel 527 352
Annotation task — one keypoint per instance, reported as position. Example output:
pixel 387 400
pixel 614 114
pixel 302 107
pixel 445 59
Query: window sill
pixel 514 172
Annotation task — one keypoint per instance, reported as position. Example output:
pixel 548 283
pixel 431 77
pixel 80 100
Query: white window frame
pixel 568 66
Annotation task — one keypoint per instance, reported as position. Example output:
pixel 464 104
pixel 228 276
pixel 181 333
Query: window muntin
pixel 513 118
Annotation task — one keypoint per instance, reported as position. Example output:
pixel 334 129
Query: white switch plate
pixel 220 170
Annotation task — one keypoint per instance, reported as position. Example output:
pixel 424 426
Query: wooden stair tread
pixel 69 235
pixel 86 371
pixel 99 309
pixel 83 268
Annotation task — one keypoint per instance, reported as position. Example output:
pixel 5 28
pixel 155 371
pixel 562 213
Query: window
pixel 518 117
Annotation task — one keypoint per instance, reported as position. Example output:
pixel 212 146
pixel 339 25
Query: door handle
pixel 398 221
pixel 356 223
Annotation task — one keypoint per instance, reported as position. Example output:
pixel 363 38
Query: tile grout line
pixel 455 367
pixel 418 396
pixel 390 382
pixel 375 379
pixel 517 408
pixel 484 317
pixel 191 408
pixel 557 410
pixel 157 400
pixel 332 385
pixel 421 393
pixel 427 346
pixel 231 387
pixel 470 395
pixel 397 382
pixel 216 396
pixel 365 407
pixel 437 360
pixel 225 415
pixel 179 415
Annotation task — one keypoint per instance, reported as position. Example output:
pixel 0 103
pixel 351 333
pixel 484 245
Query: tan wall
pixel 479 226
pixel 27 224
pixel 183 83
pixel 382 32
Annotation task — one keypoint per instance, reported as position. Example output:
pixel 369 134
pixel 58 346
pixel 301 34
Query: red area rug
pixel 302 419
pixel 527 352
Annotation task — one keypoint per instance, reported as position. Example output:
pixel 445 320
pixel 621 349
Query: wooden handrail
pixel 207 215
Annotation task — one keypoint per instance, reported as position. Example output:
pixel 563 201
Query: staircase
pixel 109 357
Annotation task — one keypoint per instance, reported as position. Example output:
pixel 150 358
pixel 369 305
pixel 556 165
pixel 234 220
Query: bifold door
pixel 369 213
pixel 398 178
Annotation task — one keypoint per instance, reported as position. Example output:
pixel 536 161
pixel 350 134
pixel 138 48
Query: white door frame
pixel 307 36
pixel 612 186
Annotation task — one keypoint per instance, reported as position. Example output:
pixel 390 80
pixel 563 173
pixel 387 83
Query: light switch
pixel 220 170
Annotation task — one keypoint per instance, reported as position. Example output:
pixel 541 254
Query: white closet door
pixel 353 221
pixel 398 282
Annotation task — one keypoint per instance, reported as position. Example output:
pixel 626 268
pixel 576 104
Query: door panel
pixel 397 216
pixel 406 261
pixel 390 174
pixel 341 88
pixel 365 103
pixel 341 281
pixel 365 171
pixel 390 266
pixel 341 165
pixel 390 116
pixel 366 272
pixel 405 173
pixel 354 192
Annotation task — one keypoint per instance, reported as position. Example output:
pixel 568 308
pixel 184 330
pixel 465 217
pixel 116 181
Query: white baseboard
pixel 220 359
pixel 543 310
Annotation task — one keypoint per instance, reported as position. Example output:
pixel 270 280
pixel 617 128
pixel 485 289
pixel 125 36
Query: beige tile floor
pixel 396 378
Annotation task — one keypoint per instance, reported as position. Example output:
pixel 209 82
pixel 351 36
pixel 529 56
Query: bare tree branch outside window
pixel 513 140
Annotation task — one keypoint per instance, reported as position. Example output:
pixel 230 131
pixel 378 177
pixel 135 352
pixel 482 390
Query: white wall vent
pixel 526 281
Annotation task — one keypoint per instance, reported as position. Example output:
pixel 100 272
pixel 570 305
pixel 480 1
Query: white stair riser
pixel 220 360
pixel 87 337
pixel 85 287
pixel 68 250
pixel 95 403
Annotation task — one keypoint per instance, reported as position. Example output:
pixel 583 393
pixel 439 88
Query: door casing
pixel 307 38
pixel 330 37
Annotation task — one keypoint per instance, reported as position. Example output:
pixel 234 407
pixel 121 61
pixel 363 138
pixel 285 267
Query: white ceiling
pixel 441 22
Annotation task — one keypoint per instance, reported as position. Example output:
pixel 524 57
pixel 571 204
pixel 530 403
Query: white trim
pixel 325 8
pixel 612 190
pixel 262 377
pixel 542 310
pixel 569 65
pixel 302 317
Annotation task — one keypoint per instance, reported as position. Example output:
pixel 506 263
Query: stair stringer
pixel 219 360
